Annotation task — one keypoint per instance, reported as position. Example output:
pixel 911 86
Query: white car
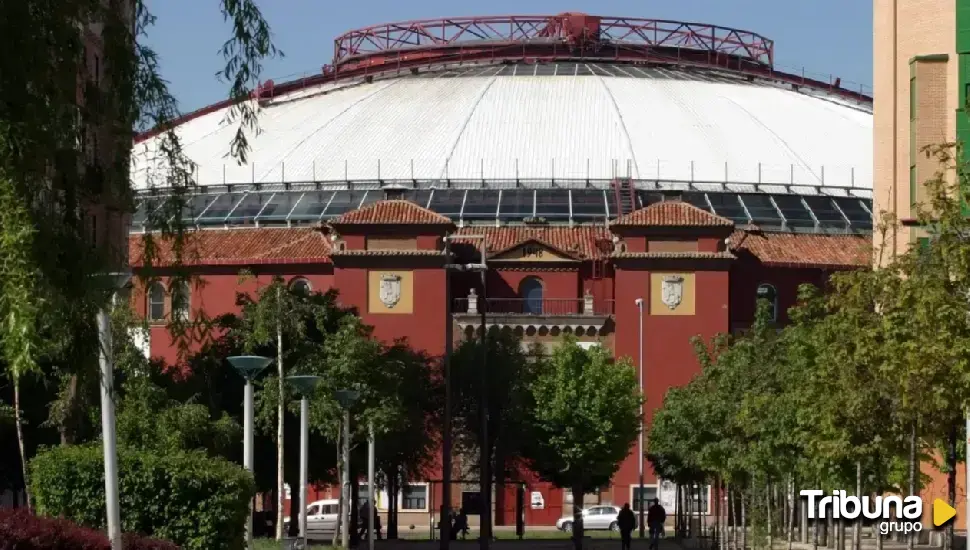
pixel 321 519
pixel 595 518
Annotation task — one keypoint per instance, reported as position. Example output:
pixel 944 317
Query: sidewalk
pixel 544 544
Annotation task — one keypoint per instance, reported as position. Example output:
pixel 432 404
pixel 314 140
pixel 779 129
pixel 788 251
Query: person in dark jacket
pixel 656 515
pixel 460 527
pixel 627 522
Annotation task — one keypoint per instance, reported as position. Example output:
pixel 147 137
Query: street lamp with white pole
pixel 117 281
pixel 639 302
pixel 249 366
pixel 305 385
pixel 372 508
pixel 346 399
pixel 444 520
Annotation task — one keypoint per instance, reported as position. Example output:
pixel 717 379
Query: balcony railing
pixel 551 307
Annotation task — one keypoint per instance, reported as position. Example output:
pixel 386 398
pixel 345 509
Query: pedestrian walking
pixel 656 516
pixel 627 522
pixel 460 526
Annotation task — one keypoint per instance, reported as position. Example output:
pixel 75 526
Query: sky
pixel 821 37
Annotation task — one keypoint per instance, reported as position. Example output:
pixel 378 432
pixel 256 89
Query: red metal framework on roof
pixel 412 45
pixel 567 35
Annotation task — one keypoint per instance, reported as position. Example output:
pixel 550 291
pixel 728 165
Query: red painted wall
pixel 723 299
pixel 748 275
pixel 424 328
pixel 215 294
pixel 669 358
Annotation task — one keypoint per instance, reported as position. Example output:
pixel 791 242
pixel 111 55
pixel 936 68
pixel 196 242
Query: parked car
pixel 596 518
pixel 321 519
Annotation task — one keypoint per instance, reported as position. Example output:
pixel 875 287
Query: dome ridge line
pixel 331 120
pixel 464 125
pixel 774 134
pixel 626 131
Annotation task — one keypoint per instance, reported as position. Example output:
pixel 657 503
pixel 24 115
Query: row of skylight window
pixel 582 69
pixel 769 211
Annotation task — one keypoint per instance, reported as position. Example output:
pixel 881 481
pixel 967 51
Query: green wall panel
pixel 963 52
pixel 963 26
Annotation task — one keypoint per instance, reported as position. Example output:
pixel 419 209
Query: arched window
pixel 180 301
pixel 122 299
pixel 768 292
pixel 156 302
pixel 530 290
pixel 301 286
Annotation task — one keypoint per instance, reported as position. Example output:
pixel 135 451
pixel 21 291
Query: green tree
pixel 398 397
pixel 290 326
pixel 588 420
pixel 406 445
pixel 61 152
pixel 502 374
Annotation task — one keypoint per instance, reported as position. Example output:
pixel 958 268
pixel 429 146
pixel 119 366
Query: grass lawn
pixel 265 544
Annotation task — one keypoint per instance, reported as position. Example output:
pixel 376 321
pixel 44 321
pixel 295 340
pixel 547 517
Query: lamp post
pixel 446 447
pixel 249 367
pixel 639 303
pixel 372 496
pixel 346 399
pixel 304 385
pixel 117 282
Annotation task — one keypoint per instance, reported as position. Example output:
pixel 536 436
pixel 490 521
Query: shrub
pixel 196 501
pixel 21 530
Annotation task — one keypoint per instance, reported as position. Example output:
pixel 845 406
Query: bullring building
pixel 591 160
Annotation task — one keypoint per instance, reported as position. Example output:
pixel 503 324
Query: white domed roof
pixel 561 121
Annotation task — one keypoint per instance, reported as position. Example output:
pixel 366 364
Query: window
pixel 301 286
pixel 649 493
pixel 768 292
pixel 122 298
pixel 530 291
pixel 156 302
pixel 913 198
pixel 702 500
pixel 912 98
pixel 313 510
pixel 414 497
pixel 180 301
pixel 471 502
pixel 912 135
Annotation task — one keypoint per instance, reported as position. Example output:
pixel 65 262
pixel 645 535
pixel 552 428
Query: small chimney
pixel 673 195
pixel 394 192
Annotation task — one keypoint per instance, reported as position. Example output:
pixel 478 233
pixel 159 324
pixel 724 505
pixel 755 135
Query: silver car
pixel 321 519
pixel 596 518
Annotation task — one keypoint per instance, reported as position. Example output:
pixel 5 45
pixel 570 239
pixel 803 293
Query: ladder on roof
pixel 624 196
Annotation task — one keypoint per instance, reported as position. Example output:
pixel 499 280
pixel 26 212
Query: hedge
pixel 21 530
pixel 189 498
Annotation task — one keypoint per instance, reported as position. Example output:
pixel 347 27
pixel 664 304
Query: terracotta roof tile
pixel 808 250
pixel 388 253
pixel 392 212
pixel 248 246
pixel 672 214
pixel 675 255
pixel 242 246
pixel 579 242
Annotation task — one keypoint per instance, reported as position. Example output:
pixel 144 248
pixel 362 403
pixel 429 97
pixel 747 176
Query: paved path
pixel 543 544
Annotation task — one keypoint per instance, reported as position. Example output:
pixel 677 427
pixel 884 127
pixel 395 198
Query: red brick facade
pixel 589 276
